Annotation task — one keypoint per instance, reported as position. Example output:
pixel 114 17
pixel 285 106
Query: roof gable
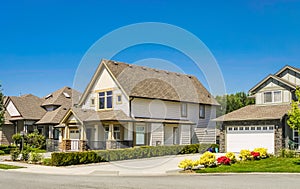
pixel 271 78
pixel 287 67
pixel 144 82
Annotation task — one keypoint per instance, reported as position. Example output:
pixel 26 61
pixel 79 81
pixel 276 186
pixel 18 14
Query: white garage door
pixel 250 137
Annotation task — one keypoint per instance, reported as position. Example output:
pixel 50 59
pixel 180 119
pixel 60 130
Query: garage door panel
pixel 237 141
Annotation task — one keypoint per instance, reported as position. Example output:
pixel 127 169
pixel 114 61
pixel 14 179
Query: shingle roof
pixel 7 118
pixel 29 106
pixel 256 112
pixel 106 115
pixel 147 82
pixel 116 115
pixel 58 98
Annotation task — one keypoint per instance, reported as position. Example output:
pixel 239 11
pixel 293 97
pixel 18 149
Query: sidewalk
pixel 137 167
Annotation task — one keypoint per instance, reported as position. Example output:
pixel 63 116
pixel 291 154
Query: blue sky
pixel 42 42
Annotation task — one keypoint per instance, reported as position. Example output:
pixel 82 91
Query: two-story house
pixel 128 105
pixel 28 112
pixel 265 123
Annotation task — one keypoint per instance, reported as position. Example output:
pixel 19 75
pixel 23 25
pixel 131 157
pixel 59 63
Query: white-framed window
pixel 140 134
pixel 184 109
pixel 119 99
pixel 105 100
pixel 272 96
pixel 202 111
pixel 117 132
pixel 229 128
pixel 106 131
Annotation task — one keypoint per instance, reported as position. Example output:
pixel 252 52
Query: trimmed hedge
pixel 7 148
pixel 75 158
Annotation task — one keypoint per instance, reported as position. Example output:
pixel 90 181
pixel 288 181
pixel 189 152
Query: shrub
pixel 231 156
pixel 25 153
pixel 286 153
pixel 208 159
pixel 35 157
pixel 2 152
pixel 245 155
pixel 47 161
pixel 190 149
pixel 262 151
pixel 35 140
pixel 187 164
pixel 14 154
pixel 7 148
pixel 223 160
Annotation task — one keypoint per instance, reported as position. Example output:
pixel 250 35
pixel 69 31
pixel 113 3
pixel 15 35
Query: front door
pixel 175 135
pixel 74 136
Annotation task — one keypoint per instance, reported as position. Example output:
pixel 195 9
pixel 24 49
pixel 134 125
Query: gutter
pixel 130 99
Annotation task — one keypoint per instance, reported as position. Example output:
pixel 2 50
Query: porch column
pixel 111 131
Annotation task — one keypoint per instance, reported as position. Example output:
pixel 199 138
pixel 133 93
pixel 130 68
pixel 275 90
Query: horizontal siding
pixel 185 134
pixel 205 135
pixel 157 134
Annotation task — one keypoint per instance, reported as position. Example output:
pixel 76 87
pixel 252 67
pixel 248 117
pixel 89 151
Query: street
pixel 12 180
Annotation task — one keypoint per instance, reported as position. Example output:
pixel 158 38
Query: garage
pixel 250 137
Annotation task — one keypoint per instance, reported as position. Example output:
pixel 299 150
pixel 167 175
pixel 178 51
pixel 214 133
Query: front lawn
pixel 283 165
pixel 4 166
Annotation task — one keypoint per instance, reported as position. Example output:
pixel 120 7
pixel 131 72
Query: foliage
pixel 17 138
pixel 194 148
pixel 2 109
pixel 2 152
pixel 233 102
pixel 231 156
pixel 208 159
pixel 14 154
pixel 187 164
pixel 272 164
pixel 262 151
pixel 287 153
pixel 47 161
pixel 35 140
pixel 245 155
pixel 7 148
pixel 223 160
pixel 25 153
pixel 35 157
pixel 294 113
pixel 74 158
pixel 255 155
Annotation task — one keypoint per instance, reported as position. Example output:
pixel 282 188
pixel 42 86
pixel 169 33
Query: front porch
pixel 115 135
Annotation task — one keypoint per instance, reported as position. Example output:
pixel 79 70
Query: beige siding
pixel 292 77
pixel 185 134
pixel 157 134
pixel 168 135
pixel 105 82
pixel 12 110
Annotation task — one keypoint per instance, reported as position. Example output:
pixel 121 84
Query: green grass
pixel 4 166
pixel 280 165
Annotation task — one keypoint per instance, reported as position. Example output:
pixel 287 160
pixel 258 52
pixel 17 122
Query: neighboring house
pixel 127 105
pixel 29 112
pixel 263 124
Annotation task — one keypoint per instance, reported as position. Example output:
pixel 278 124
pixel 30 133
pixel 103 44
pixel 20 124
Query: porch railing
pixel 52 145
pixel 102 145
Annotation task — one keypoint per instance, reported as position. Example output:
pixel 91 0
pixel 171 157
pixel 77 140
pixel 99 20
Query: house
pixel 128 105
pixel 265 123
pixel 29 112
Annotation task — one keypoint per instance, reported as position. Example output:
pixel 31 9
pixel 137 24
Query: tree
pixel 294 113
pixel 1 107
pixel 231 102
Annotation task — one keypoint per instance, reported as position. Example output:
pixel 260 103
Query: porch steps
pixel 205 135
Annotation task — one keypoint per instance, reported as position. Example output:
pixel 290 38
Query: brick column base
pixel 65 145
pixel 82 145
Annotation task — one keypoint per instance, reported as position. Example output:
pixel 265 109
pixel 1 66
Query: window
pixel 140 135
pixel 235 128
pixel 258 128
pixel 184 109
pixel 265 128
pixel 272 97
pixel 252 128
pixel 268 97
pixel 247 128
pixel 106 129
pixel 229 128
pixel 271 128
pixel 241 128
pixel 105 100
pixel 202 111
pixel 119 99
pixel 117 133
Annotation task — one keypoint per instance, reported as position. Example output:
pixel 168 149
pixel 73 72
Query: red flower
pixel 223 160
pixel 255 155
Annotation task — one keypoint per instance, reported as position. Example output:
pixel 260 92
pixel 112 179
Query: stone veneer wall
pixel 82 145
pixel 65 145
pixel 279 143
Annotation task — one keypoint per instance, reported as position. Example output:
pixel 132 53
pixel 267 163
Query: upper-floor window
pixel 272 97
pixel 105 100
pixel 119 99
pixel 184 109
pixel 202 111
